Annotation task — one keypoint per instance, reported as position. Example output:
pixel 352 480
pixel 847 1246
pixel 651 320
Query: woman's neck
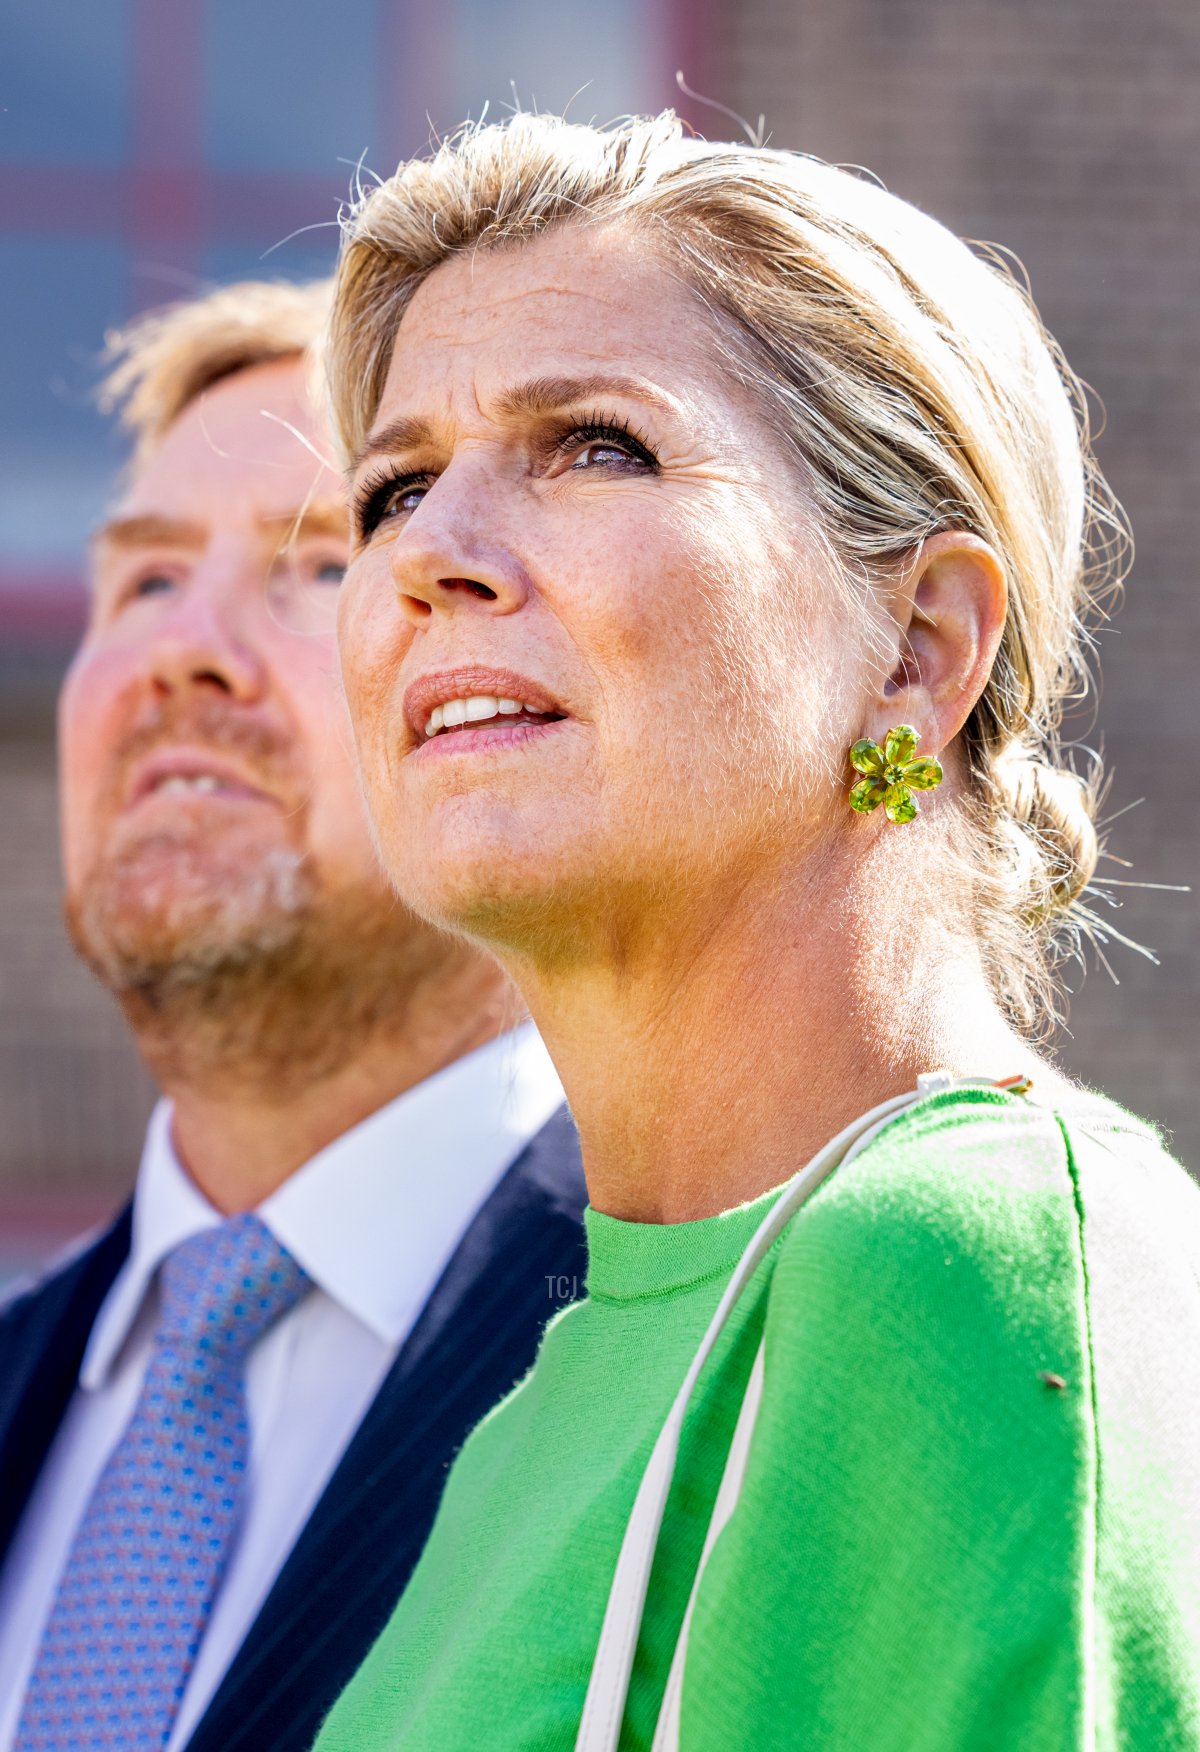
pixel 710 1067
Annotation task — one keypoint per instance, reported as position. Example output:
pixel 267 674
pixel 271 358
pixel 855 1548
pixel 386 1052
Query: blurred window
pixel 71 99
pixel 304 257
pixel 599 72
pixel 291 83
pixel 57 456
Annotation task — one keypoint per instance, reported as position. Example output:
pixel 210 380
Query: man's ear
pixel 950 605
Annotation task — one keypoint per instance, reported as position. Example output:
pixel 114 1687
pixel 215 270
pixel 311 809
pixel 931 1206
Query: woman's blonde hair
pixel 913 379
pixel 162 361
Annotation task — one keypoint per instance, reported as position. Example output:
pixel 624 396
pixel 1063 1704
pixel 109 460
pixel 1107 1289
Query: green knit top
pixel 970 1519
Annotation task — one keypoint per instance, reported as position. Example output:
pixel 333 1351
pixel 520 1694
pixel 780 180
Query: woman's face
pixel 565 505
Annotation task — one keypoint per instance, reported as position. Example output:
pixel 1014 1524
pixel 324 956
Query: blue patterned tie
pixel 150 1551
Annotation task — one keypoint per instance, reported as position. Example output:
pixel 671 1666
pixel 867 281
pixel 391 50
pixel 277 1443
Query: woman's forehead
pixel 578 299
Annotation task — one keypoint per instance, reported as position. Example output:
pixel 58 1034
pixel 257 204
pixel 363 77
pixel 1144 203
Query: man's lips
pixel 192 774
pixel 477 706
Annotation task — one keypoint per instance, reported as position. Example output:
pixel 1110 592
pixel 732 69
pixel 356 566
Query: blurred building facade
pixel 1070 134
pixel 147 150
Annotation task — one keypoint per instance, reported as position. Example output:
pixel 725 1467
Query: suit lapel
pixel 43 1334
pixel 521 1258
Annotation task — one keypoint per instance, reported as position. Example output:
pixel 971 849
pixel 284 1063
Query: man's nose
pixel 203 642
pixel 452 556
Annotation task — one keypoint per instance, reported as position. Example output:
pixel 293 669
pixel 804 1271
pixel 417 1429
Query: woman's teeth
pixel 476 710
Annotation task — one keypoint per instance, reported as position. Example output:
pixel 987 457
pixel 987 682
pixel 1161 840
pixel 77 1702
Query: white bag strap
pixel 666 1735
pixel 604 1706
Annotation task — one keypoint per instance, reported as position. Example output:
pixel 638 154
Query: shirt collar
pixel 168 1207
pixel 375 1216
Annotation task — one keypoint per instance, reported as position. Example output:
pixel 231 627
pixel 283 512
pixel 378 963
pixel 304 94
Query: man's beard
pixel 230 956
pixel 159 919
pixel 261 978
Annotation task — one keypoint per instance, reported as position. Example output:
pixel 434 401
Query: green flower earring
pixel 892 775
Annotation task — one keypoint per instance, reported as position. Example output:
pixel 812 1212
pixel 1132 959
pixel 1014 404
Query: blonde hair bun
pixel 1047 814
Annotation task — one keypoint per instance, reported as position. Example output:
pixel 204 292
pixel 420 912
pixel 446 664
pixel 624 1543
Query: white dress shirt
pixel 373 1219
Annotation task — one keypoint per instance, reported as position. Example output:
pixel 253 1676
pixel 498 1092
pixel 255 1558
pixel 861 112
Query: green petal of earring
pixel 891 774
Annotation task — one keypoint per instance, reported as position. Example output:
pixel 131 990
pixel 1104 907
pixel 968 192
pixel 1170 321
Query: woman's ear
pixel 950 605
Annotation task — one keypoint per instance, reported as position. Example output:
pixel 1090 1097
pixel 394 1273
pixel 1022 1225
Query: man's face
pixel 210 810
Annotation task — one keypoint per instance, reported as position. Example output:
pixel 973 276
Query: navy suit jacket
pixel 521 1258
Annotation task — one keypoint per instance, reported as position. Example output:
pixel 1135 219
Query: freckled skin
pixel 727 962
pixel 687 632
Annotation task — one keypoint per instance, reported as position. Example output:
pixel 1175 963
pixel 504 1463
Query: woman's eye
pixel 400 503
pixel 601 445
pixel 602 453
pixel 388 501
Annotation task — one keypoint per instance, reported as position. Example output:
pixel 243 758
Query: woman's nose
pixel 451 558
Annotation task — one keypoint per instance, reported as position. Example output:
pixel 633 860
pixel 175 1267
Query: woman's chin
pixel 502 869
pixel 487 891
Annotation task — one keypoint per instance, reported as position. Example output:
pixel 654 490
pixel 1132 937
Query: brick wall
pixel 1069 132
pixel 73 1096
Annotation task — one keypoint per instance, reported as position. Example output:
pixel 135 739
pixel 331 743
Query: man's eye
pixel 331 572
pixel 153 584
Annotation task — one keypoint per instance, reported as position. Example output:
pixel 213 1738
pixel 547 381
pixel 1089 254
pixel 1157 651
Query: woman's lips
pixel 494 734
pixel 453 704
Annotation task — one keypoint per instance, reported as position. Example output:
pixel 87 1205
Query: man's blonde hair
pixel 914 382
pixel 162 361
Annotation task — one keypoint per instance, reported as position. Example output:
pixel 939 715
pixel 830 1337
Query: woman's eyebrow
pixel 537 395
pixel 409 432
pixel 545 395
